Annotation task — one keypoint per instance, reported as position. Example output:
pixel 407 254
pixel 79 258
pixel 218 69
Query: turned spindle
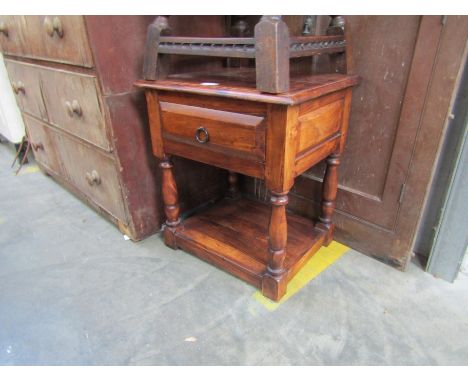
pixel 278 233
pixel 329 190
pixel 274 280
pixel 170 199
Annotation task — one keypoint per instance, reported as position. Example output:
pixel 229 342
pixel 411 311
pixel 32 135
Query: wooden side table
pixel 222 119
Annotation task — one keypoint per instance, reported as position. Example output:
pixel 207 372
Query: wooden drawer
pixel 12 39
pixel 53 38
pixel 64 40
pixel 44 143
pixel 25 80
pixel 214 136
pixel 72 103
pixel 94 173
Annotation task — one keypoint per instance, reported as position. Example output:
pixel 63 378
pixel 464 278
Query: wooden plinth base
pixel 233 235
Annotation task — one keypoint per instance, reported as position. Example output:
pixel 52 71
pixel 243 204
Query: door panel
pixel 365 186
pixel 397 119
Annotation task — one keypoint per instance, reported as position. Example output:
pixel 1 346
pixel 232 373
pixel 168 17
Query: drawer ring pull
pixel 201 135
pixel 93 178
pixel 3 28
pixel 52 26
pixel 18 87
pixel 73 108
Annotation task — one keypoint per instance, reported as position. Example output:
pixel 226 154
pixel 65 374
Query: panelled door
pixel 409 67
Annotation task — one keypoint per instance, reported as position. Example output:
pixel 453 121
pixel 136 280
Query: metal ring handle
pixel 201 135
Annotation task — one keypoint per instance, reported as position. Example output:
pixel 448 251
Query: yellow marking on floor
pixel 325 257
pixel 29 170
pixel 2 220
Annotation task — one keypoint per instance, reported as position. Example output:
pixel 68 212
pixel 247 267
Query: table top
pixel 240 84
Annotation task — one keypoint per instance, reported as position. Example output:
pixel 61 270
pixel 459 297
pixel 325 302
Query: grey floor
pixel 74 292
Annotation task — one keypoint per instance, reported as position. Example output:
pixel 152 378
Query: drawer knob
pixel 93 178
pixel 3 28
pixel 18 87
pixel 52 26
pixel 201 135
pixel 73 108
pixel 37 146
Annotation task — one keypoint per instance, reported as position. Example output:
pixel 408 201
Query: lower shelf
pixel 233 235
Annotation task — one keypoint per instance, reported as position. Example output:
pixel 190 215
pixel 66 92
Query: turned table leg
pixel 329 190
pixel 233 189
pixel 171 201
pixel 274 281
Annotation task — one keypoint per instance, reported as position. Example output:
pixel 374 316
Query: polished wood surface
pixel 234 235
pixel 240 84
pixel 270 137
pixel 241 132
pixel 330 188
pixel 171 200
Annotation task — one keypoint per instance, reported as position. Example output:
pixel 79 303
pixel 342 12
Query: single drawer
pixel 64 39
pixel 93 173
pixel 53 38
pixel 211 128
pixel 72 103
pixel 26 84
pixel 44 143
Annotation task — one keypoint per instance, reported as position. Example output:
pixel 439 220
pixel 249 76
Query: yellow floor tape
pixel 325 257
pixel 29 170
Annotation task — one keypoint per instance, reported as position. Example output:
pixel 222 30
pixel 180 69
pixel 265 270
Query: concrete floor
pixel 74 292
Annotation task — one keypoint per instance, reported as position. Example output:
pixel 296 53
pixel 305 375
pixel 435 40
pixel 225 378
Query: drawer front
pixel 25 81
pixel 44 143
pixel 93 173
pixel 72 103
pixel 12 39
pixel 53 38
pixel 64 39
pixel 214 130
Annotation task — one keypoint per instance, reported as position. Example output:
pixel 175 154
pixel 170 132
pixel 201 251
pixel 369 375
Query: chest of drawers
pixel 73 81
pixel 224 121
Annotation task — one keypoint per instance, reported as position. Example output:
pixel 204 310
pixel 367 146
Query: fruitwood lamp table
pixel 221 119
